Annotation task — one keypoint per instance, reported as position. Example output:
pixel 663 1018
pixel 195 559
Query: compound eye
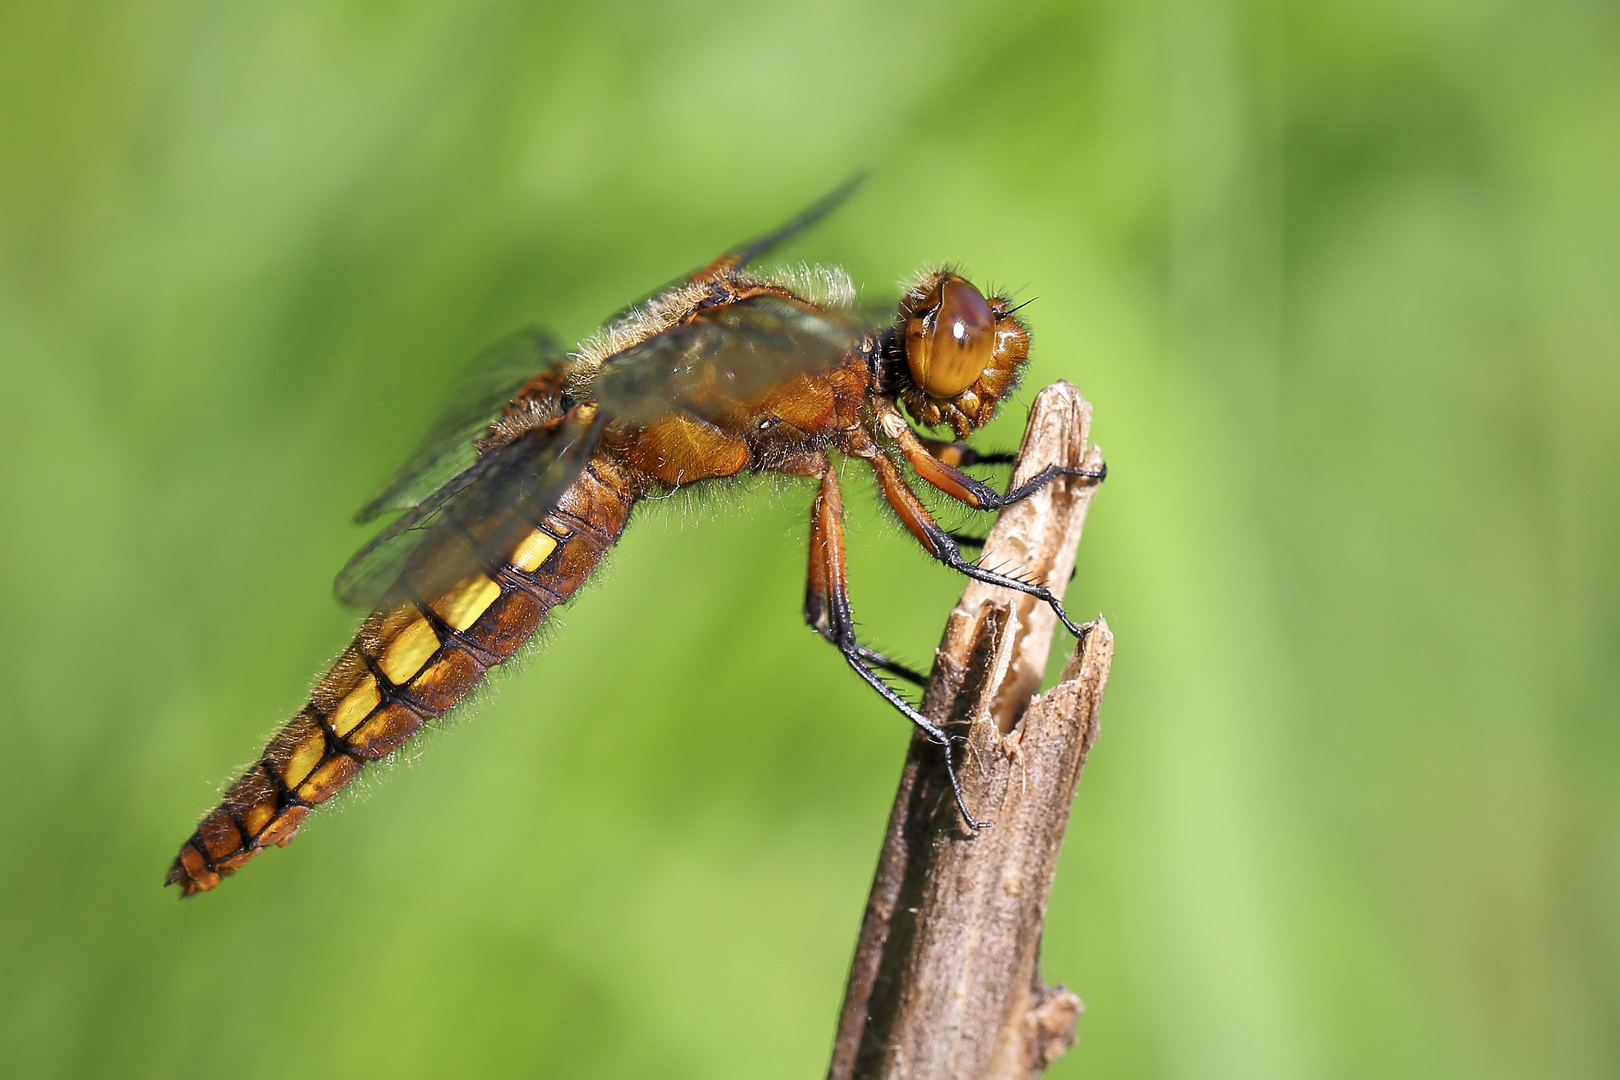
pixel 950 343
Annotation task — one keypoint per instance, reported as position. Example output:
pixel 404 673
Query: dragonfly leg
pixel 827 610
pixel 893 667
pixel 960 454
pixel 938 471
pixel 939 543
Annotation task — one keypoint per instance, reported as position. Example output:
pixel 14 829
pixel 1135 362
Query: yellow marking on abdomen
pixel 535 549
pixel 257 817
pixel 407 653
pixel 461 606
pixel 352 709
pixel 305 758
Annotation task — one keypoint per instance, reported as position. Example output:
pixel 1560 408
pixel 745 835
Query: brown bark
pixel 946 981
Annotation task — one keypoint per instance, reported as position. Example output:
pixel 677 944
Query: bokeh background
pixel 1341 280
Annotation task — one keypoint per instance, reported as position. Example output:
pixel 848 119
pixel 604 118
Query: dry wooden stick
pixel 946 981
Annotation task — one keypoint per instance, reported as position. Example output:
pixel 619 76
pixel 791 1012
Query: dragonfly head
pixel 963 351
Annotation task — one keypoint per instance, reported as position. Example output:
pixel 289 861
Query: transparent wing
pixel 741 255
pixel 473 521
pixel 447 450
pixel 727 355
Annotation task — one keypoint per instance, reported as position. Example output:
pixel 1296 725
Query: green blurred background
pixel 1341 280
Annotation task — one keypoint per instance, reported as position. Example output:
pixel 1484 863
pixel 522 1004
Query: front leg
pixel 960 454
pixel 939 543
pixel 939 473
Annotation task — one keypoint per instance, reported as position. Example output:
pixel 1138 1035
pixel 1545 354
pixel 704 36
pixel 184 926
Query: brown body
pixel 409 664
pixel 434 634
pixel 417 656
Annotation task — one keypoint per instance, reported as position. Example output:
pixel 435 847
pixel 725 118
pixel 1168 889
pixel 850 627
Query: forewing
pixel 472 522
pixel 727 355
pixel 448 449
pixel 743 254
pixel 746 252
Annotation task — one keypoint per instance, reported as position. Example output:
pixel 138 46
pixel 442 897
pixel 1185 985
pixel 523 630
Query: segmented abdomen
pixel 412 660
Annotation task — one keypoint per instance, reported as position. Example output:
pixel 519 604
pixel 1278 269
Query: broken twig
pixel 946 982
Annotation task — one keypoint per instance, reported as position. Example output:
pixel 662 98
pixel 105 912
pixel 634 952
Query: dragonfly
pixel 533 470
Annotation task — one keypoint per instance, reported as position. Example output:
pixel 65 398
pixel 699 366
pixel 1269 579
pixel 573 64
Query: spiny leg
pixel 978 542
pixel 959 454
pixel 938 543
pixel 938 472
pixel 893 667
pixel 826 609
pixel 817 589
pixel 814 464
pixel 826 600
